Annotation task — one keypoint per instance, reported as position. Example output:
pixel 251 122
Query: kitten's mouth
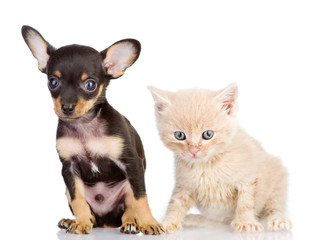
pixel 189 155
pixel 195 157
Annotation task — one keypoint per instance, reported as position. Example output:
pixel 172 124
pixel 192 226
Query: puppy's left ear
pixel 120 56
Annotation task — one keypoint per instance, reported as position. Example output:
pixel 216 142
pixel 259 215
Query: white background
pixel 267 47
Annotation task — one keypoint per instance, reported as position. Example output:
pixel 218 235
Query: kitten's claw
pixel 248 227
pixel 171 227
pixel 279 224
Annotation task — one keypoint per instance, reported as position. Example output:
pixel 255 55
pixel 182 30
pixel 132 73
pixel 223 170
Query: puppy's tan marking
pixel 68 223
pixel 81 210
pixel 137 214
pixel 83 106
pixel 84 76
pixel 106 145
pixel 68 147
pixel 57 106
pixel 57 73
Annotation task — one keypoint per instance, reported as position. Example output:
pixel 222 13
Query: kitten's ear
pixel 227 99
pixel 161 99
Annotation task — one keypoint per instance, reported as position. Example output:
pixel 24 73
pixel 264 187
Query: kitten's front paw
pixel 247 226
pixel 170 227
pixel 279 224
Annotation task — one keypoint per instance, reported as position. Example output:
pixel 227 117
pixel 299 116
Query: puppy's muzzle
pixel 68 109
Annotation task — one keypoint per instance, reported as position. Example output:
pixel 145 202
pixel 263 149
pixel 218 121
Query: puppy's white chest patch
pixel 85 149
pixel 107 145
pixel 99 146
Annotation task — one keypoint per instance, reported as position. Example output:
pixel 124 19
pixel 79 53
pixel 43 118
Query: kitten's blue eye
pixel 179 135
pixel 53 83
pixel 207 135
pixel 90 85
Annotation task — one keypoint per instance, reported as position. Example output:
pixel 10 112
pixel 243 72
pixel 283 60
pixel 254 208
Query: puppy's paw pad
pixel 279 224
pixel 129 228
pixel 171 227
pixel 151 229
pixel 248 227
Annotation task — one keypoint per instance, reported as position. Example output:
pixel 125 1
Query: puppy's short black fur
pixel 101 153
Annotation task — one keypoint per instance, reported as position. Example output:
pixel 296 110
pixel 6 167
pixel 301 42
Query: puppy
pixel 102 156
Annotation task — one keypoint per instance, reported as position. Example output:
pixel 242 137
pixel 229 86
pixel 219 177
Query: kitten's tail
pixel 197 220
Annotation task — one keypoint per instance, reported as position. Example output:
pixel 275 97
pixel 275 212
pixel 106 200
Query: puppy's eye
pixel 207 135
pixel 53 83
pixel 179 135
pixel 90 85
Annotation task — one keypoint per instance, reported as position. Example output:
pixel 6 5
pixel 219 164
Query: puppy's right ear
pixel 39 47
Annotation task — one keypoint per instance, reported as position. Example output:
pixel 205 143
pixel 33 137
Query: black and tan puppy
pixel 101 153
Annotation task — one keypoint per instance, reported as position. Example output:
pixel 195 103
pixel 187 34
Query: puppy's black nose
pixel 68 109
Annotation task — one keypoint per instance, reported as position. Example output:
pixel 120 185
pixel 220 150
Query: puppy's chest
pixel 88 142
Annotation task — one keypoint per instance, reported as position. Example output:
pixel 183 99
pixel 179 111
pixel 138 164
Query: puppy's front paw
pixel 72 226
pixel 247 226
pixel 279 224
pixel 129 228
pixel 65 223
pixel 170 227
pixel 153 228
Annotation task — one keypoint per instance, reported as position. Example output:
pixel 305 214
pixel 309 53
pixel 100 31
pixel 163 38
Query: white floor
pixel 186 234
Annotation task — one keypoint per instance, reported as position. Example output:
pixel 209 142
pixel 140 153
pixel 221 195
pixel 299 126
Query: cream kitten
pixel 220 169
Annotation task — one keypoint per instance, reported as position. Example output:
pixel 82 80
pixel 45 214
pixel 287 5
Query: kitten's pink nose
pixel 193 151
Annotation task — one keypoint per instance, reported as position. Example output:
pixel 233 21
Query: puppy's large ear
pixel 39 47
pixel 120 56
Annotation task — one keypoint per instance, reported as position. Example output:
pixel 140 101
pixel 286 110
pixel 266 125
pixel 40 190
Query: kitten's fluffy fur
pixel 229 178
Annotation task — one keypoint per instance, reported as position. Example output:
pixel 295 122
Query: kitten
pixel 219 168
